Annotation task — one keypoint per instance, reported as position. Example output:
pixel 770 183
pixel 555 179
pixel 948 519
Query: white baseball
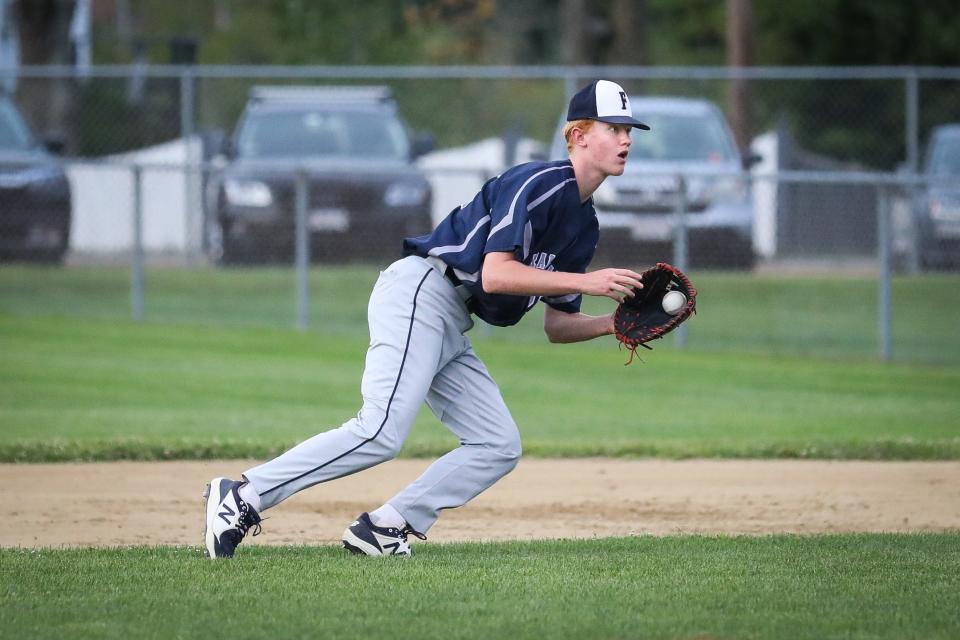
pixel 673 302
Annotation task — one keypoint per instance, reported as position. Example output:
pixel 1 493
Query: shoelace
pixel 408 530
pixel 244 522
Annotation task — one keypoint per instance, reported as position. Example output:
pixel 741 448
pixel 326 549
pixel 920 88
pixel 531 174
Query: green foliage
pixel 857 32
pixel 109 120
pixel 877 586
pixel 687 33
pixel 296 33
pixel 464 111
pixel 857 121
pixel 860 122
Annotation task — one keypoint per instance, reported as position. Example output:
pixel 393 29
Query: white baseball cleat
pixel 228 518
pixel 365 538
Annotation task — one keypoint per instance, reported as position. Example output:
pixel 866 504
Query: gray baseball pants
pixel 418 351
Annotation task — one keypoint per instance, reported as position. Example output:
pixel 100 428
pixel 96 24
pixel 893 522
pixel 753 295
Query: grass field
pixel 863 586
pixel 222 375
pixel 815 315
pixel 775 367
pixel 99 389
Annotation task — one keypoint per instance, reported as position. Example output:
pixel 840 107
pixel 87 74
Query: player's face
pixel 609 145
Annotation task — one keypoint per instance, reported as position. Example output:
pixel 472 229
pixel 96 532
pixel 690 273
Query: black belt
pixel 451 277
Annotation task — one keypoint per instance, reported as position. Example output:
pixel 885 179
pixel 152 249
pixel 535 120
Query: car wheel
pixel 739 258
pixel 232 253
pixel 722 251
pixel 934 256
pixel 228 250
pixel 56 257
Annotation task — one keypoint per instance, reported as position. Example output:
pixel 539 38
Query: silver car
pixel 937 206
pixel 688 137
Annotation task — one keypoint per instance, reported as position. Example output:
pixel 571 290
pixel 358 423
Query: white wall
pixel 103 200
pixel 457 174
pixel 765 195
pixel 103 192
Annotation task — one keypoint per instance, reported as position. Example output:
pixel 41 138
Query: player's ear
pixel 577 137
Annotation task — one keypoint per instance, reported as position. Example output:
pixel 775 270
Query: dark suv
pixel 34 193
pixel 364 193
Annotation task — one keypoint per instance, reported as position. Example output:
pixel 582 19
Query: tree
pixel 740 54
pixel 44 27
pixel 861 121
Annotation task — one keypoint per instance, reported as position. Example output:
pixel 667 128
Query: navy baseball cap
pixel 604 101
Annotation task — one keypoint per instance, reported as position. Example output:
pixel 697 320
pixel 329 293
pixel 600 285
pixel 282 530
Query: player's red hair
pixel 583 125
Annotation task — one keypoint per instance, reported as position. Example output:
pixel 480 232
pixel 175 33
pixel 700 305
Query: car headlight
pixel 945 209
pixel 401 194
pixel 247 193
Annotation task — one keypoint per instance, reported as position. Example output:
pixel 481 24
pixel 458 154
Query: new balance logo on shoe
pixel 365 538
pixel 227 512
pixel 393 546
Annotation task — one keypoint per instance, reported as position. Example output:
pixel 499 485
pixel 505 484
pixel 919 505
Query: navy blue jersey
pixel 532 210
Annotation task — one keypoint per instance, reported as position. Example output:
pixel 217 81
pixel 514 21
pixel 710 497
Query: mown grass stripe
pixel 876 586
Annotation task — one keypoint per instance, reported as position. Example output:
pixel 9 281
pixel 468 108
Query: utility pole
pixel 740 54
pixel 573 18
pixel 45 39
pixel 629 33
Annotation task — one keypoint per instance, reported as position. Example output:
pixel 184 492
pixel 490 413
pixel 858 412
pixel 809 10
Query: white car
pixel 688 137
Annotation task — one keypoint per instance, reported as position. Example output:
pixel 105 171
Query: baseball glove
pixel 643 318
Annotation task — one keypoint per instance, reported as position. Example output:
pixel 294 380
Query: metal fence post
pixel 302 244
pixel 883 250
pixel 137 272
pixel 570 85
pixel 911 114
pixel 191 181
pixel 680 244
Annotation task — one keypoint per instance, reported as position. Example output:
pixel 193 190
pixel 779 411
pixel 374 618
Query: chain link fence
pixel 764 173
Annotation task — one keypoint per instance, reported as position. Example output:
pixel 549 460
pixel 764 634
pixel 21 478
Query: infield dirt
pixel 159 503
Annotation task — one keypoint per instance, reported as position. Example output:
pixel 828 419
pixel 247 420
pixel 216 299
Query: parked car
pixel 364 192
pixel 34 193
pixel 636 210
pixel 937 205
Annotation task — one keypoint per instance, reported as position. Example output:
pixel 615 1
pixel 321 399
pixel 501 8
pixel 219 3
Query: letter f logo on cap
pixel 604 101
pixel 612 100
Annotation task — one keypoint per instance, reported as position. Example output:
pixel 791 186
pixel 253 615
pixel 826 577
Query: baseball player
pixel 528 235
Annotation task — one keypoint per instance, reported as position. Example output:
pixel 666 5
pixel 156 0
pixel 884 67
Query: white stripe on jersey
pixel 454 248
pixel 528 230
pixel 549 193
pixel 508 219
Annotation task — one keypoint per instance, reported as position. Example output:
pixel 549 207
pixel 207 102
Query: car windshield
pixel 945 159
pixel 14 134
pixel 679 137
pixel 280 134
